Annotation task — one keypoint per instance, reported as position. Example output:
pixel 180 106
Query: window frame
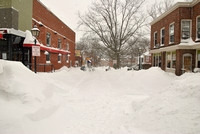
pixel 197 38
pixel 197 59
pixel 59 57
pixel 48 36
pixel 59 43
pixel 162 37
pixel 190 28
pixel 172 34
pixel 67 46
pixel 171 60
pixel 155 39
pixel 48 58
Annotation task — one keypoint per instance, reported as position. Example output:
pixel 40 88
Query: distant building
pixel 56 39
pixel 175 38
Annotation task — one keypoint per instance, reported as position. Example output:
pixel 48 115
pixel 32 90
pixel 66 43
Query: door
pixel 187 63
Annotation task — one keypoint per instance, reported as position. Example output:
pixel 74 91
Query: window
pixel 157 60
pixel 171 33
pixel 155 38
pixel 48 41
pixel 185 29
pixel 198 59
pixel 59 43
pixel 171 60
pixel 168 58
pixel 48 58
pixel 67 46
pixel 162 36
pixel 59 58
pixel 198 27
pixel 147 58
pixel 67 58
pixel 174 60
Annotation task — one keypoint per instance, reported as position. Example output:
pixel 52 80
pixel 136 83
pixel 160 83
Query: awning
pixel 29 42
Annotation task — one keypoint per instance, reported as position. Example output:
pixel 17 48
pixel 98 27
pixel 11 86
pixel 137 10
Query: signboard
pixel 35 51
pixel 78 53
pixel 114 61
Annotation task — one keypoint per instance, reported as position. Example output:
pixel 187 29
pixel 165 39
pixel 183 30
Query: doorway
pixel 187 63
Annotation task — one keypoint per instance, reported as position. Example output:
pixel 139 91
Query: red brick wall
pixel 42 14
pixel 175 17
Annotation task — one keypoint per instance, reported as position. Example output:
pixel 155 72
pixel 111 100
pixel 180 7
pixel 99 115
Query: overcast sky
pixel 67 11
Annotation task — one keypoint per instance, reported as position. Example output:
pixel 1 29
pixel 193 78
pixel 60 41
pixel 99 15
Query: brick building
pixel 175 38
pixel 56 39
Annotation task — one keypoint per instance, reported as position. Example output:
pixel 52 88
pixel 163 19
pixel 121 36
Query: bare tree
pixel 158 8
pixel 115 22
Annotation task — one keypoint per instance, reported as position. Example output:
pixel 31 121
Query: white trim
pixel 197 39
pixel 176 6
pixel 155 38
pixel 183 40
pixel 14 32
pixel 53 30
pixel 161 36
pixel 196 65
pixel 173 23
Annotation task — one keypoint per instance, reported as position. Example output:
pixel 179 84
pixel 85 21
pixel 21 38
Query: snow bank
pixel 97 102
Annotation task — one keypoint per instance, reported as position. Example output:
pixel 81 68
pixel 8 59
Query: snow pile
pixel 97 102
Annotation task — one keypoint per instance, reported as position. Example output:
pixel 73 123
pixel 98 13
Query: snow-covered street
pixel 71 101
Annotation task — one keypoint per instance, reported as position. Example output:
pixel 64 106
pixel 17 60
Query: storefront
pixel 11 46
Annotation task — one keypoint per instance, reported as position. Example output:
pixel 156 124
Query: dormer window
pixel 171 33
pixel 185 25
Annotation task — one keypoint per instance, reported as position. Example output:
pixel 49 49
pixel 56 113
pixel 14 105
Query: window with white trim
pixel 185 29
pixel 48 39
pixel 162 36
pixel 171 60
pixel 59 58
pixel 157 60
pixel 59 43
pixel 171 33
pixel 198 27
pixel 48 58
pixel 155 39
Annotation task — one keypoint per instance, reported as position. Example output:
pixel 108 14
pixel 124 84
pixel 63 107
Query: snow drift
pixel 99 102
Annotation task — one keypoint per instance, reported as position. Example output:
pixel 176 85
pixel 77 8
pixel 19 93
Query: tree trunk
pixel 118 60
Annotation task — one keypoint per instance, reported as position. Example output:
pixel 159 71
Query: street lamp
pixel 35 32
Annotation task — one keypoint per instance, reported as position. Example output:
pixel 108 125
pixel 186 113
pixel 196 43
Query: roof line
pixel 54 14
pixel 176 6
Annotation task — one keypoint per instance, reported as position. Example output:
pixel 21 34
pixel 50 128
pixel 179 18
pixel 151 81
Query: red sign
pixel 35 50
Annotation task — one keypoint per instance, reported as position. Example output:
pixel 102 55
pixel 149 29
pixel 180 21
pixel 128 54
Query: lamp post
pixel 35 32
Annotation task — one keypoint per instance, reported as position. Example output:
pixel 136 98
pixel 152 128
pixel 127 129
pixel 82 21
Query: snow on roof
pixel 14 31
pixel 30 41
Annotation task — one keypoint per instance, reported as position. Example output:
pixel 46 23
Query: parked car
pixel 83 68
pixel 135 67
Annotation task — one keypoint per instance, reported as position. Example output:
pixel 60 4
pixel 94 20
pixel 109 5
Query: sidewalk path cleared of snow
pixel 71 101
